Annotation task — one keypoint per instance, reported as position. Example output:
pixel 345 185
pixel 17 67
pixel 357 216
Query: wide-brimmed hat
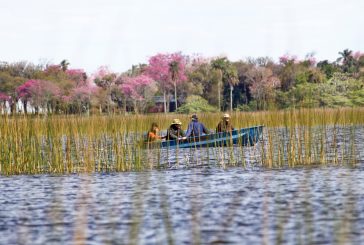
pixel 176 121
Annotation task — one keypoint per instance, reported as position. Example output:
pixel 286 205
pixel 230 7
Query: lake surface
pixel 206 204
pixel 201 196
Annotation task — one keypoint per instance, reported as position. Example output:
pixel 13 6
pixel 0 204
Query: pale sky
pixel 119 33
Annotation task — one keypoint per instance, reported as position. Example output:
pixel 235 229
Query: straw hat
pixel 226 116
pixel 176 121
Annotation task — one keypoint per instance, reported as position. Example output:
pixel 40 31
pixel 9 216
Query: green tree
pixel 64 65
pixel 174 70
pixel 327 68
pixel 349 64
pixel 219 65
pixel 226 73
pixel 195 103
pixel 232 79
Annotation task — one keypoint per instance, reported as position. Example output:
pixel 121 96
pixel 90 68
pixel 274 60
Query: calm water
pixel 197 197
pixel 205 204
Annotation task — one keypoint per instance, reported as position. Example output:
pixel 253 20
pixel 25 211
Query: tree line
pixel 196 83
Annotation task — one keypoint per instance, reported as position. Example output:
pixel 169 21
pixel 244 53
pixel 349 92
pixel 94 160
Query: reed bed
pixel 73 144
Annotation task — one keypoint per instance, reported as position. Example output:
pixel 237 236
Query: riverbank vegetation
pixel 197 83
pixel 70 144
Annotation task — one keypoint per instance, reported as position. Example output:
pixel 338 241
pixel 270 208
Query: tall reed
pixel 69 144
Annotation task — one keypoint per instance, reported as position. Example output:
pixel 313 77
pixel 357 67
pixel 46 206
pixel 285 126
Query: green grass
pixel 69 144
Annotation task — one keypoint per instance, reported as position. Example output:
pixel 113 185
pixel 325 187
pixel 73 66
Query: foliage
pixel 42 94
pixel 251 84
pixel 263 86
pixel 196 103
pixel 104 77
pixel 80 99
pixel 327 68
pixel 168 70
pixel 225 73
pixel 4 97
pixel 139 90
pixel 79 76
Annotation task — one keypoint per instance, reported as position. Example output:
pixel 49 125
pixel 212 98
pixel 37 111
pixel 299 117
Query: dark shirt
pixel 174 133
pixel 224 126
pixel 195 129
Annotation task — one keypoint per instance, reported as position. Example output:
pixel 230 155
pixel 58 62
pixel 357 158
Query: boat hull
pixel 243 137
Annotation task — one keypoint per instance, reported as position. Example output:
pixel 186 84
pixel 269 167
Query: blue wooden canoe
pixel 244 137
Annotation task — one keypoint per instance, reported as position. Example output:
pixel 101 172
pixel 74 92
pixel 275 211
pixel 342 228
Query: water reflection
pixel 191 205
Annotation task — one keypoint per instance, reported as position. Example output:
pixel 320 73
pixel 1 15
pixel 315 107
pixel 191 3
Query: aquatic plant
pixel 69 144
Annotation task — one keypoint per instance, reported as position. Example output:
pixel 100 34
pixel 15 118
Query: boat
pixel 241 137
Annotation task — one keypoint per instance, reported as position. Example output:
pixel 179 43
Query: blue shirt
pixel 195 129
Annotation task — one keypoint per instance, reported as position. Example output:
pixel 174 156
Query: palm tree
pixel 64 65
pixel 232 79
pixel 219 65
pixel 226 73
pixel 345 55
pixel 349 64
pixel 174 70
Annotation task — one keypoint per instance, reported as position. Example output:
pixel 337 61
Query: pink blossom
pixel 181 63
pixel 53 69
pixel 263 82
pixel 66 98
pixel 159 69
pixel 135 87
pixel 23 91
pixel 103 77
pixel 39 91
pixel 4 97
pixel 77 75
pixel 103 71
pixel 287 58
pixel 82 93
pixel 312 60
pixel 357 55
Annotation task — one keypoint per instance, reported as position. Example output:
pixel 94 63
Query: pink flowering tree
pixel 168 70
pixel 177 72
pixel 79 76
pixel 357 55
pixel 40 93
pixel 104 79
pixel 359 58
pixel 3 99
pixel 52 70
pixel 310 60
pixel 139 90
pixel 288 59
pixel 80 98
pixel 158 69
pixel 24 93
pixel 263 85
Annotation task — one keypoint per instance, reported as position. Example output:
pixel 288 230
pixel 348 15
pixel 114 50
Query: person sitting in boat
pixel 195 128
pixel 153 133
pixel 225 124
pixel 175 132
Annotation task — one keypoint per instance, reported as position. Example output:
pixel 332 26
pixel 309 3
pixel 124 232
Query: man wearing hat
pixel 175 132
pixel 195 128
pixel 225 124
